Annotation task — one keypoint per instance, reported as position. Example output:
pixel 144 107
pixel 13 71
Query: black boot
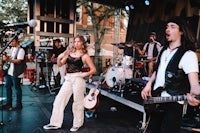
pixel 7 106
pixel 18 107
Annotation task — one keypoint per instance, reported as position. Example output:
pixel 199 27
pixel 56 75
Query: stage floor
pixel 37 106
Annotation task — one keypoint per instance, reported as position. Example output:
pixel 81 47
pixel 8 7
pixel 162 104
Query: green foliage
pixel 13 11
pixel 100 16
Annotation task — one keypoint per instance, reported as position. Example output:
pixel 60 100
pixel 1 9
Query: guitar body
pixel 6 66
pixel 91 101
pixel 149 108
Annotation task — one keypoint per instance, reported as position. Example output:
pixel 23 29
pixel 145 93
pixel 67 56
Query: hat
pixel 57 40
pixel 152 33
pixel 177 20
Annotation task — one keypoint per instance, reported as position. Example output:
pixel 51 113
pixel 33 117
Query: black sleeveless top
pixel 74 64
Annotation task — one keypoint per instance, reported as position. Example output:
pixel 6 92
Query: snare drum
pixel 118 75
pixel 139 64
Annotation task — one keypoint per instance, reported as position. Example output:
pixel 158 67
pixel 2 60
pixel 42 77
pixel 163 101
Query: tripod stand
pixel 55 78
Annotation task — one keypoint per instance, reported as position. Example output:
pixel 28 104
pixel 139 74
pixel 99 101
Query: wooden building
pixel 55 18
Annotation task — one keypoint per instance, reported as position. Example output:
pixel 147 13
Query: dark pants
pixel 167 119
pixel 14 82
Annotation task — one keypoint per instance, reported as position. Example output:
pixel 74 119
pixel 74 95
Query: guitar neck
pixel 152 100
pixel 99 81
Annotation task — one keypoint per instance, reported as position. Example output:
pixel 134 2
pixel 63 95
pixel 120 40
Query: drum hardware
pixel 122 91
pixel 119 89
pixel 139 66
pixel 119 60
pixel 142 57
pixel 118 86
pixel 108 63
pixel 42 77
pixel 145 65
pixel 135 85
pixel 127 60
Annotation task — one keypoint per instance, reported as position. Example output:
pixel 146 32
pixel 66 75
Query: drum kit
pixel 123 71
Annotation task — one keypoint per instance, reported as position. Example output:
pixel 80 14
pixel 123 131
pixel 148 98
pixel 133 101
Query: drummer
pixel 151 50
pixel 129 54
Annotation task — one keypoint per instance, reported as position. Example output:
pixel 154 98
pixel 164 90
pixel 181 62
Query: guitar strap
pixel 159 57
pixel 17 53
pixel 15 57
pixel 158 61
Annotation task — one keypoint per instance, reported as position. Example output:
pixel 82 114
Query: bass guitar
pixel 151 103
pixel 91 100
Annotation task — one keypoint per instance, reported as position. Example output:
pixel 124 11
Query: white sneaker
pixel 74 129
pixel 48 126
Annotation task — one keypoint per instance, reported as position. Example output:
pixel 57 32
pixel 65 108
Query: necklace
pixel 172 49
pixel 169 52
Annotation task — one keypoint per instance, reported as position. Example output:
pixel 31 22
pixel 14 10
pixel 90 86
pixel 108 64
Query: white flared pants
pixel 72 85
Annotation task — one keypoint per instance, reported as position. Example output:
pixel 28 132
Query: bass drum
pixel 116 75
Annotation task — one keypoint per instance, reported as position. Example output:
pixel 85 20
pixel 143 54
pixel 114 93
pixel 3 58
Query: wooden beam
pixel 51 34
pixel 58 20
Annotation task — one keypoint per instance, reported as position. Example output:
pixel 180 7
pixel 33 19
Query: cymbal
pixel 139 44
pixel 119 45
pixel 133 44
pixel 122 45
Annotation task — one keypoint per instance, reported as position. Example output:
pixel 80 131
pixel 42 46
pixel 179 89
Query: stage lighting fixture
pixel 147 3
pixel 129 5
pixel 127 8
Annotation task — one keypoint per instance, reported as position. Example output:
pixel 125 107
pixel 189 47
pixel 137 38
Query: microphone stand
pixel 1 53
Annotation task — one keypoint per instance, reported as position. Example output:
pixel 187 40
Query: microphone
pixel 31 23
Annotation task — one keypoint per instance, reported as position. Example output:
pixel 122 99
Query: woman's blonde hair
pixel 84 46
